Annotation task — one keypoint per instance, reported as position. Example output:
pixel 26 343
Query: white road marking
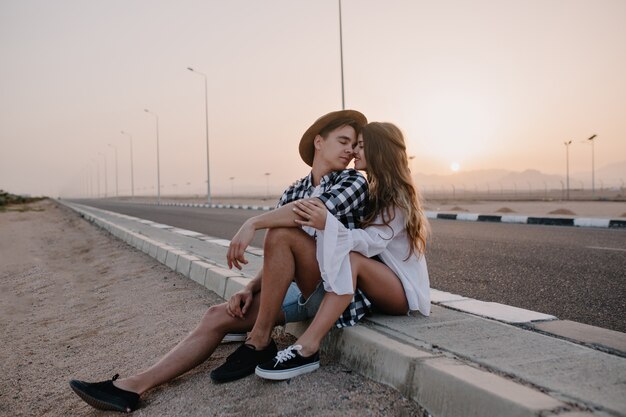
pixel 603 248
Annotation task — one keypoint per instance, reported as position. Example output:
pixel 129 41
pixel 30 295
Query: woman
pixel 385 256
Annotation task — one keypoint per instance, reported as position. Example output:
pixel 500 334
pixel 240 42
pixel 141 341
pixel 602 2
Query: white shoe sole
pixel 288 373
pixel 234 337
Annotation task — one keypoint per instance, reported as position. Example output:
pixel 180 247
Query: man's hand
pixel 239 303
pixel 238 246
pixel 313 212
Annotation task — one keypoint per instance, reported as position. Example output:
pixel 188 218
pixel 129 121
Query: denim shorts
pixel 296 308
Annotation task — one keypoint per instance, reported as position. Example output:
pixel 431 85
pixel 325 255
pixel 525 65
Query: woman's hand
pixel 239 244
pixel 313 213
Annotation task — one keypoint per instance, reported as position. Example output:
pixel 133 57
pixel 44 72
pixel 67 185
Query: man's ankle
pixel 127 384
pixel 258 343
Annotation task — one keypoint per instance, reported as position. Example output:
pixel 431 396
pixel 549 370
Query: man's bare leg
pixel 194 349
pixel 288 253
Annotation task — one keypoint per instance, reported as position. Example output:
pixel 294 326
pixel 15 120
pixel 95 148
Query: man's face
pixel 336 151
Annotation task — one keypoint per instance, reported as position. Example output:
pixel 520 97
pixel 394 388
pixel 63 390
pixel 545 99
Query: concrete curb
pixel 442 383
pixel 548 221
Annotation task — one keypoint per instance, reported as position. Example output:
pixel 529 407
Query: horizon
pixel 474 86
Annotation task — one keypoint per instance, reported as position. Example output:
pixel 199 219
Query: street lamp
pixel 567 165
pixel 411 158
pixel 593 168
pixel 158 159
pixel 232 186
pixel 106 186
pixel 267 182
pixel 132 174
pixel 206 123
pixel 343 101
pixel 97 176
pixel 117 194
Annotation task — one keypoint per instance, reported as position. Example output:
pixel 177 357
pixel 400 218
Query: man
pixel 289 254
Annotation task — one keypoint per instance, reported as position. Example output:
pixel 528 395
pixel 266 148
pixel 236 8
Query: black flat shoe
pixel 242 362
pixel 106 396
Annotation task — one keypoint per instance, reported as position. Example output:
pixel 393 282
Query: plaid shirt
pixel 345 195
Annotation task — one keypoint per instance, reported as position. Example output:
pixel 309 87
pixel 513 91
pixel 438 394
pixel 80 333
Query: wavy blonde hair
pixel 390 183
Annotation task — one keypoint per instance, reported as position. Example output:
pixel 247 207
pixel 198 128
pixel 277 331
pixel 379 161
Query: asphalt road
pixel 576 274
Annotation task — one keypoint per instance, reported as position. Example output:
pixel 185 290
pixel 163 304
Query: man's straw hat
pixel 307 150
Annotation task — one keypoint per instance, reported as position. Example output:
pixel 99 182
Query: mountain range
pixel 612 175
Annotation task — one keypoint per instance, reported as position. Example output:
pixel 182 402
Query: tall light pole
pixel 117 194
pixel 132 172
pixel 232 186
pixel 106 185
pixel 97 176
pixel 267 182
pixel 569 142
pixel 158 159
pixel 411 158
pixel 343 100
pixel 206 125
pixel 593 168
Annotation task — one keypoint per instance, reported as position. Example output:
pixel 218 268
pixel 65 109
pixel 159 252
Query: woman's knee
pixel 356 261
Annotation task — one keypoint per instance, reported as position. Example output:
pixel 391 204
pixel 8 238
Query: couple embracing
pixel 338 246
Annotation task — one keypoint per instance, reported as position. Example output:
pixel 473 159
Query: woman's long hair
pixel 390 183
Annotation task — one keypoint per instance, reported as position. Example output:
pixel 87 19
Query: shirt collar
pixel 330 177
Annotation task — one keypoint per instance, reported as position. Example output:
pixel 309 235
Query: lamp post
pixel 593 168
pixel 132 173
pixel 411 158
pixel 206 124
pixel 267 183
pixel 569 142
pixel 97 177
pixel 158 159
pixel 117 194
pixel 106 185
pixel 343 101
pixel 232 186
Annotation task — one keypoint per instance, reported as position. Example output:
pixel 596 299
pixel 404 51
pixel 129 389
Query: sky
pixel 483 84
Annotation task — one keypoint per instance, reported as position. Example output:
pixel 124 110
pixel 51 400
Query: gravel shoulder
pixel 77 303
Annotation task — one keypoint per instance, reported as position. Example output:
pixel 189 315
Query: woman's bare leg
pixel 382 286
pixel 194 349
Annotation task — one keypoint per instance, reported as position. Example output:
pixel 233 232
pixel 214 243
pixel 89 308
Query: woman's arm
pixel 369 241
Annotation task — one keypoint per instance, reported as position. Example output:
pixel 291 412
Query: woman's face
pixel 359 154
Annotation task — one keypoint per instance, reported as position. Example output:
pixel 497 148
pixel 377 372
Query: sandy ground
pixel 77 303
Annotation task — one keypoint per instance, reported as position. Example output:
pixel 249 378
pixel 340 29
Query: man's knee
pixel 213 317
pixel 284 235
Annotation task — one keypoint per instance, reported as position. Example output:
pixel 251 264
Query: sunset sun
pixel 455 166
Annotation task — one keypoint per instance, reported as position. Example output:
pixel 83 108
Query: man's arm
pixel 281 217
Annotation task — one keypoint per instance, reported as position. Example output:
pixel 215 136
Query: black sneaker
pixel 288 363
pixel 242 362
pixel 234 337
pixel 106 396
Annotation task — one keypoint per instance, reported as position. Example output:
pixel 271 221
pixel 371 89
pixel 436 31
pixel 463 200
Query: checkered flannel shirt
pixel 345 195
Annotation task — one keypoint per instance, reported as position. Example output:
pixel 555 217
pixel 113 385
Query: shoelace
pixel 286 354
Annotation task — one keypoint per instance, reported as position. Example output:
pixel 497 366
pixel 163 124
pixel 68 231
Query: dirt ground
pixel 77 303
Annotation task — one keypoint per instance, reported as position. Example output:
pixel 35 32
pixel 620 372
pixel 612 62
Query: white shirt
pixel 390 243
